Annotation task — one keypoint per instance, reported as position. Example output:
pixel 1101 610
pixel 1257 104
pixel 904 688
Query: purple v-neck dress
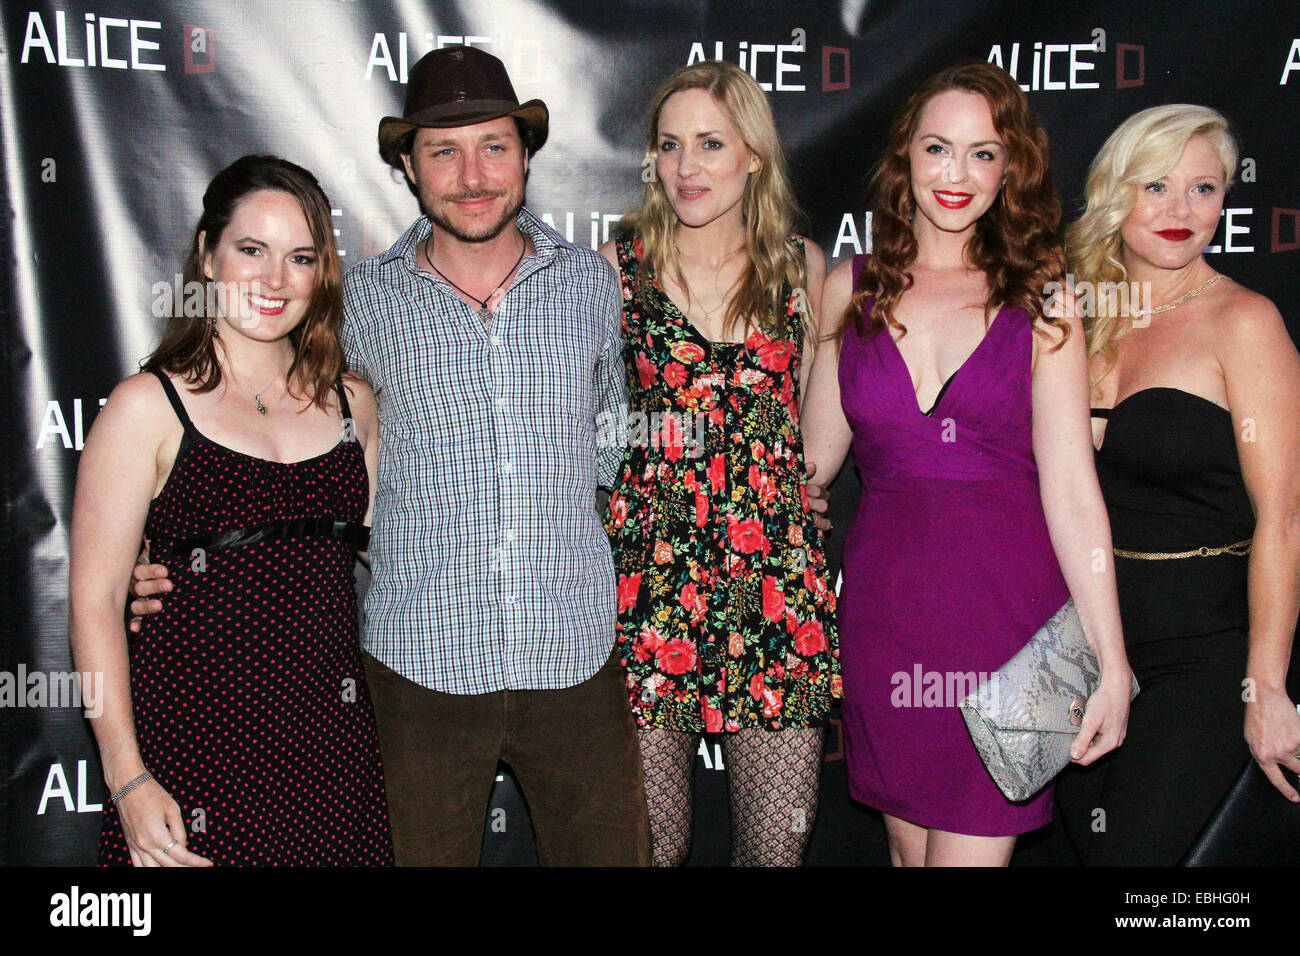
pixel 948 571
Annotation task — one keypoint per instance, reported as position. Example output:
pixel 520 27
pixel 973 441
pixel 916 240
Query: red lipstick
pixel 1175 235
pixel 952 200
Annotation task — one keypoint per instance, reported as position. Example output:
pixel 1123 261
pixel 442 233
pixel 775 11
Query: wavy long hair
pixel 189 345
pixel 768 207
pixel 1016 243
pixel 1144 148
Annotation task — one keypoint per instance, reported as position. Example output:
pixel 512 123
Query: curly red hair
pixel 1016 242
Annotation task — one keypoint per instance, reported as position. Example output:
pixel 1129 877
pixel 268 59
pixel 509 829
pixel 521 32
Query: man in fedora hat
pixel 494 348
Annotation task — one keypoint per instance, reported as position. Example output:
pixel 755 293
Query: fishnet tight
pixel 772 781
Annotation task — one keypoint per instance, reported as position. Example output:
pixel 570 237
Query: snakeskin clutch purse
pixel 1025 716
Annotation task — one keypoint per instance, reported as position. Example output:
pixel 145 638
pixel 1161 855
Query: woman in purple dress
pixel 966 404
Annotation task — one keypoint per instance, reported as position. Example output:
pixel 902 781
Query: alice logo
pixel 116 44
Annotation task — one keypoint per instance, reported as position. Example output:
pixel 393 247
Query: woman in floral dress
pixel 725 617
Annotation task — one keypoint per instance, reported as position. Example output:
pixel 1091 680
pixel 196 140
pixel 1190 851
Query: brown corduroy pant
pixel 574 752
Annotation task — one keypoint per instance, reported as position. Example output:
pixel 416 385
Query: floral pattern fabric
pixel 725 620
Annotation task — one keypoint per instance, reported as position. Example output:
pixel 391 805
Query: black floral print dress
pixel 725 619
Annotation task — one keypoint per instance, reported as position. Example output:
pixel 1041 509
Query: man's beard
pixel 481 233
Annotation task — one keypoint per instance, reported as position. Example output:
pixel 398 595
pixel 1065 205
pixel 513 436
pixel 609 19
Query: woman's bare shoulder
pixel 139 396
pixel 1243 309
pixel 138 416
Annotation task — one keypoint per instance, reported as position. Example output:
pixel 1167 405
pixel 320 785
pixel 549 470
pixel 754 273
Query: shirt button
pixel 495 340
pixel 500 401
pixel 511 599
pixel 507 466
pixel 510 535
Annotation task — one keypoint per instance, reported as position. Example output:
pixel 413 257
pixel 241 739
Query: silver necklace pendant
pixel 261 409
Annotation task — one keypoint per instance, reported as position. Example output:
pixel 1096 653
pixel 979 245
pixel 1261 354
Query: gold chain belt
pixel 1240 548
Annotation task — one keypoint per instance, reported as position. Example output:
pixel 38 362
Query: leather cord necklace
pixel 483 312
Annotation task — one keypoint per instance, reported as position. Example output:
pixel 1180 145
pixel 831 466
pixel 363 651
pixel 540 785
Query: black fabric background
pixel 104 169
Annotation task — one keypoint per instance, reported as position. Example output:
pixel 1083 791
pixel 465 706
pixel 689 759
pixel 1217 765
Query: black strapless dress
pixel 1172 484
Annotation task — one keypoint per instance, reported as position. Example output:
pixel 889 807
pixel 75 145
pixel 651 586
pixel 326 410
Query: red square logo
pixel 200 49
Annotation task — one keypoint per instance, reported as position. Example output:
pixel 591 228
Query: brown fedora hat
pixel 459 86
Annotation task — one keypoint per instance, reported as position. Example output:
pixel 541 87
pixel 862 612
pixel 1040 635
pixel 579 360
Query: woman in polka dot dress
pixel 236 728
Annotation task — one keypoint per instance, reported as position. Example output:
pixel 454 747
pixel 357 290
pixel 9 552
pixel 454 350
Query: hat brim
pixel 533 114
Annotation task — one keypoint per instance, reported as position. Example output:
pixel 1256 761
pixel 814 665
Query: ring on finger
pixel 168 848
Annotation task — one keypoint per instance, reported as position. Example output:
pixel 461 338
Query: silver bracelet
pixel 130 786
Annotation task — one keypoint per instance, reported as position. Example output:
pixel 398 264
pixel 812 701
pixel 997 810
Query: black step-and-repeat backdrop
pixel 116 114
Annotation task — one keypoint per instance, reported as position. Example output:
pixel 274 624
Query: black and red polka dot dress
pixel 250 702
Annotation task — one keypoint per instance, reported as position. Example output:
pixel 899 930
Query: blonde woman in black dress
pixel 1196 385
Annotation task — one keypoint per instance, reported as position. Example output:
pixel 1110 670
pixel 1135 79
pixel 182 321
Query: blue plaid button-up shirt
pixel 490 567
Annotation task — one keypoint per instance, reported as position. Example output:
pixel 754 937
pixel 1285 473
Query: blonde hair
pixel 1146 147
pixel 768 207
